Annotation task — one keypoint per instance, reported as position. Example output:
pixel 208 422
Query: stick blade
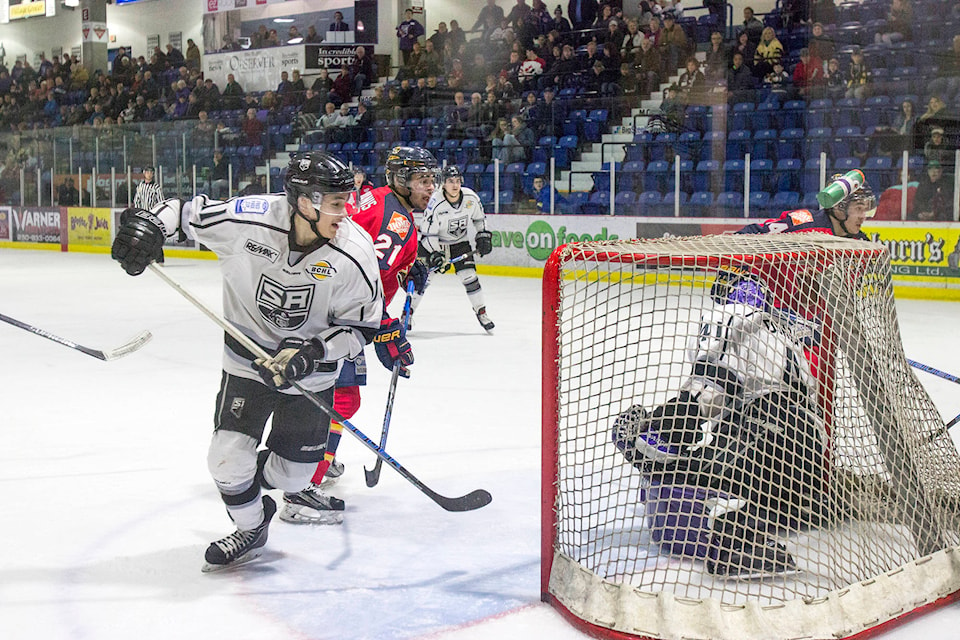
pixel 128 347
pixel 473 500
pixel 373 475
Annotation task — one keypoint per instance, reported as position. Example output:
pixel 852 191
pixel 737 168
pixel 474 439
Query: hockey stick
pixel 939 374
pixel 473 500
pixel 373 477
pixel 126 348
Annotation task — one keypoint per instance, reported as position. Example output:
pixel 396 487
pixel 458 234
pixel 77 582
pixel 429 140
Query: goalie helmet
pixel 404 162
pixel 314 174
pixel 736 285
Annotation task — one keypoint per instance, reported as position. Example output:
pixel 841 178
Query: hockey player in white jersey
pixel 444 238
pixel 739 452
pixel 302 281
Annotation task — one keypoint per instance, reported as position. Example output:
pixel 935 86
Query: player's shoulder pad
pixel 470 194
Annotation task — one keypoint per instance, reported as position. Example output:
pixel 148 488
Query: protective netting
pixel 742 449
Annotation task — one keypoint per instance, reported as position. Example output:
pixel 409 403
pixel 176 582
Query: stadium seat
pixel 655 177
pixel 729 204
pixel 788 174
pixel 647 202
pixel 786 200
pixel 625 203
pixel 700 204
pixel 665 208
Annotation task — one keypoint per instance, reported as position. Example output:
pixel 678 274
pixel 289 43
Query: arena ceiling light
pixel 283 19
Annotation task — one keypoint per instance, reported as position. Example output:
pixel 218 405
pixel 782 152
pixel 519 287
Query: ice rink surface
pixel 108 505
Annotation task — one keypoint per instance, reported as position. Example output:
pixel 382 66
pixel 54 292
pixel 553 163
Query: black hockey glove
pixel 139 241
pixel 484 242
pixel 295 359
pixel 392 346
pixel 437 262
pixel 418 276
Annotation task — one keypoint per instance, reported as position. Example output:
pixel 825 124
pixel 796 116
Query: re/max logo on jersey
pixel 261 250
pixel 399 224
pixel 321 270
pixel 251 205
pixel 284 307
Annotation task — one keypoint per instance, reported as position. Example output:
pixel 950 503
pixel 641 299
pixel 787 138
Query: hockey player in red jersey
pixel 386 213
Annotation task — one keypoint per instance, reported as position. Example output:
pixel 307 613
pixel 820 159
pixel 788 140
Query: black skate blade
pixel 253 554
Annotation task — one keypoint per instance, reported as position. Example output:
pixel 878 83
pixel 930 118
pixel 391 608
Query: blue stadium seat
pixel 741 116
pixel 729 203
pixel 816 141
pixel 648 201
pixel 759 203
pixel 704 175
pixel 789 143
pixel 598 203
pixel 810 178
pixel 764 144
pixel 788 174
pixel 738 142
pixel 625 203
pixel 575 201
pixel 631 175
pixel 665 208
pixel 532 170
pixel 786 200
pixel 700 204
pixel 879 173
pixel 761 174
pixel 733 171
pixel 655 177
pixel 662 146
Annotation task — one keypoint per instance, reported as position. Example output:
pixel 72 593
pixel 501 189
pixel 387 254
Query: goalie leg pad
pixel 678 518
pixel 740 546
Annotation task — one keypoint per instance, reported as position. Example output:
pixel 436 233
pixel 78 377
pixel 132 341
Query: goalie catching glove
pixel 139 241
pixel 392 346
pixel 484 242
pixel 295 359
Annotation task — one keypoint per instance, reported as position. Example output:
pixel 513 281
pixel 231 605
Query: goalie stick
pixel 373 476
pixel 473 500
pixel 126 348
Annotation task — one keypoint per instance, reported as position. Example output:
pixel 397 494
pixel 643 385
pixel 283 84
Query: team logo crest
pixel 286 308
pixel 304 164
pixel 236 407
pixel 801 216
pixel 321 270
pixel 399 224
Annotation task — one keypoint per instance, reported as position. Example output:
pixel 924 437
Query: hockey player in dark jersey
pixel 843 219
pixel 301 280
pixel 386 214
pixel 735 456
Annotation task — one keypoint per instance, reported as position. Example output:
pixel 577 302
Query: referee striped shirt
pixel 149 194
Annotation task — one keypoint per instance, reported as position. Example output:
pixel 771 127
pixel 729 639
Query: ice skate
pixel 333 473
pixel 739 550
pixel 484 319
pixel 312 506
pixel 240 547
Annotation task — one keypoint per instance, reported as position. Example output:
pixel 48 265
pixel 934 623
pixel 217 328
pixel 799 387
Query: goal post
pixel 819 499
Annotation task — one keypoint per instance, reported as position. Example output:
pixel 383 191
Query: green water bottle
pixel 840 188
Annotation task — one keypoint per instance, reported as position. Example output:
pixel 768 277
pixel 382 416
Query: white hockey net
pixel 838 511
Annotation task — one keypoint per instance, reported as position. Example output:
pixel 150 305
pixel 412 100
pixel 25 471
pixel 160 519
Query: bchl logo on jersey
pixel 261 250
pixel 399 224
pixel 251 205
pixel 321 270
pixel 304 164
pixel 284 307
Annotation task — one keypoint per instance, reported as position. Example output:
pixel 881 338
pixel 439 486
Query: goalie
pixel 738 454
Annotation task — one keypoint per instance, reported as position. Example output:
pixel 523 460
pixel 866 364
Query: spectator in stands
pixel 630 45
pixel 603 19
pixel 455 75
pixel 252 128
pixel 752 26
pixel 808 77
pixel 835 81
pixel 518 15
pixel 777 84
pixel 541 196
pixel 192 59
pixel 650 67
pixel 439 38
pixel 516 142
pixel 716 60
pixel 565 70
pixel 745 48
pixel 947 82
pixel 648 9
pixel 582 13
pixel 342 90
pixel 362 71
pixel 412 61
pixel 362 121
pixel 628 83
pixel 229 44
pixel 769 50
pixel 490 14
pixel 674 45
pixel 285 89
pixel 273 39
pixel 899 24
pixel 670 117
pixel 596 78
pixel 937 150
pixel 174 56
pixel 218 181
pixel 408 32
pixel 560 24
pixel 857 75
pixel 741 83
pixel 322 85
pixel 327 123
pixel 312 36
pixel 338 23
pixel 298 88
pixel 892 141
pixel 429 63
pixel 456 118
pixel 456 36
pixel 476 127
pixel 293 35
pixel 933 200
pixel 68 194
pixel 820 45
pixel 692 84
pixel 530 70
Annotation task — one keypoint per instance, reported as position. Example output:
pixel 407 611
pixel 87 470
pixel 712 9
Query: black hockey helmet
pixel 863 194
pixel 315 173
pixel 451 171
pixel 403 162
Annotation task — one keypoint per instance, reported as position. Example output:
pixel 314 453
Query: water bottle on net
pixel 840 188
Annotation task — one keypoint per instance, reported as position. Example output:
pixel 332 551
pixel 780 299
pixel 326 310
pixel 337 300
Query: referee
pixel 149 193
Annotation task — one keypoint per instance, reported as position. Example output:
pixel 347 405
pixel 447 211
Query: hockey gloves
pixel 418 276
pixel 139 241
pixel 437 262
pixel 484 242
pixel 392 346
pixel 295 360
